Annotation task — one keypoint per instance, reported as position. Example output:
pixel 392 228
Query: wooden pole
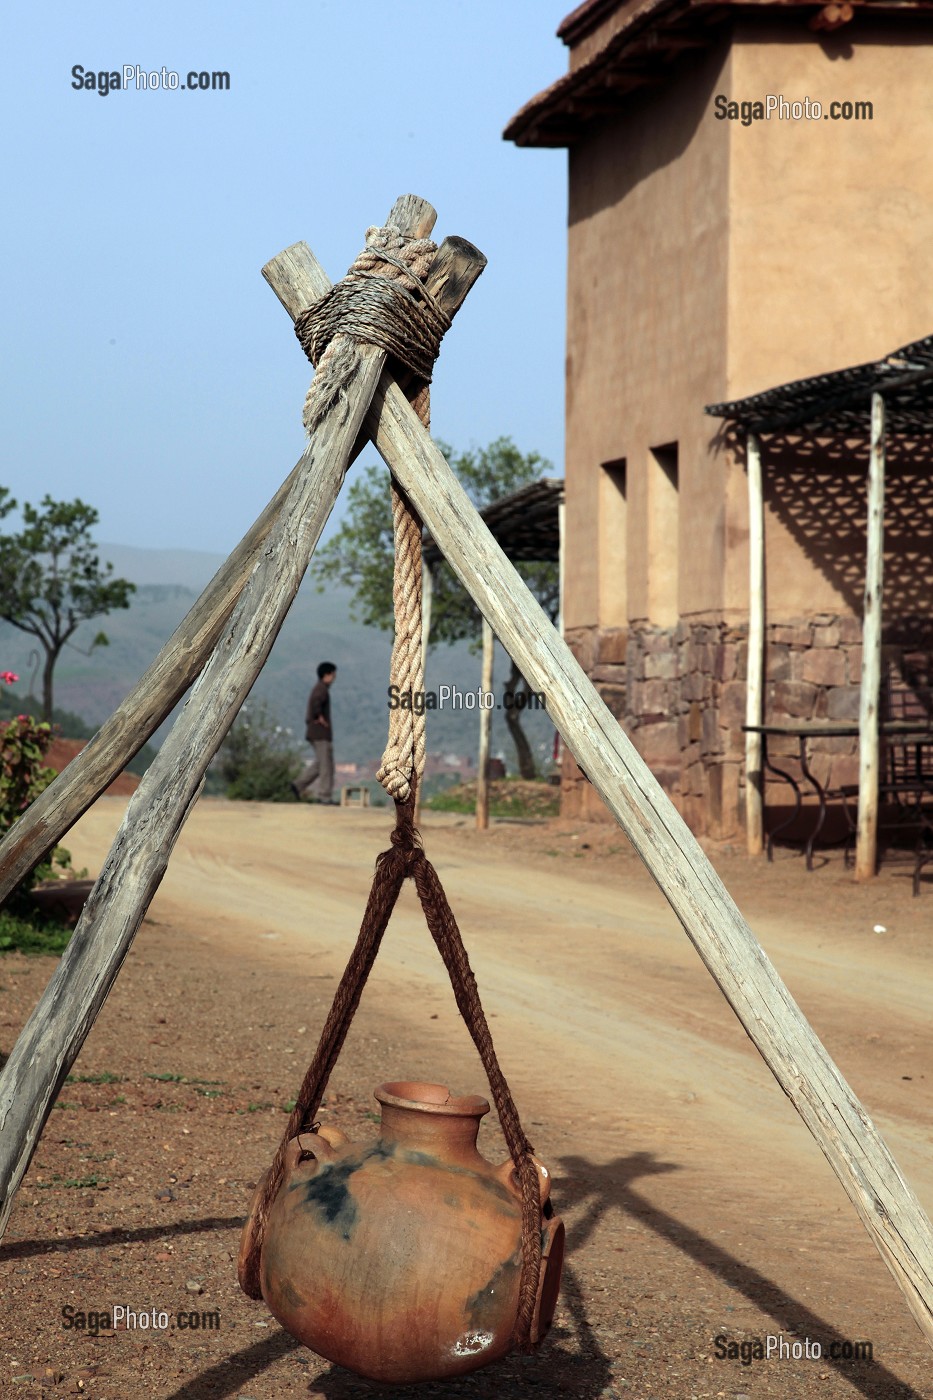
pixel 185 654
pixel 55 1032
pixel 754 692
pixel 560 566
pixel 139 715
pixel 485 725
pixel 866 841
pixel 850 1141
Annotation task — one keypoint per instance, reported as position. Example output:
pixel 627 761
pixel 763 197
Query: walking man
pixel 319 732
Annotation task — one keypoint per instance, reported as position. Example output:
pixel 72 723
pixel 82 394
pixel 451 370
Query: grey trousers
pixel 319 772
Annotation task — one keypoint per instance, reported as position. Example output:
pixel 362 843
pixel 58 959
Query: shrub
pixel 258 759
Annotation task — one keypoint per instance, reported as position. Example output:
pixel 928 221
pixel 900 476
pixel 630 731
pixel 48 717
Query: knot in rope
pixel 381 301
pixel 406 838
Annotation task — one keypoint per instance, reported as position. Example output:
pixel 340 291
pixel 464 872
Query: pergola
pixel 896 395
pixel 529 527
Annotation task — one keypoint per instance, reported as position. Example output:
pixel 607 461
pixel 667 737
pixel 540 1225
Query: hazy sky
pixel 150 370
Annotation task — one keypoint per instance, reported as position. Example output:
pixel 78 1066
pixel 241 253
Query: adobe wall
pixel 646 325
pixel 709 260
pixel 830 242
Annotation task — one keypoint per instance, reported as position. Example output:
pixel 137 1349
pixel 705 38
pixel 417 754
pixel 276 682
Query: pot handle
pixel 505 1172
pixel 322 1145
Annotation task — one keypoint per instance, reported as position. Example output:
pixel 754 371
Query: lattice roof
pixel 525 523
pixel 840 401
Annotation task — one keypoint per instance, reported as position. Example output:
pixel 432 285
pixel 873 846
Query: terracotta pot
pixel 400 1259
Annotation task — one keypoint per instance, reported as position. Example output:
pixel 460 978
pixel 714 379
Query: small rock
pixel 192 1286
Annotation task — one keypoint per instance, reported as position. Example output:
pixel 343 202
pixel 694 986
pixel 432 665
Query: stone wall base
pixel 680 694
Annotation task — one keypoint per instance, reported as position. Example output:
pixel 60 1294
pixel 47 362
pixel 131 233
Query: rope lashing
pixel 405 859
pixel 381 301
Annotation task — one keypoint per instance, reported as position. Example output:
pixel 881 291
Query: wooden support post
pixel 850 1141
pixel 754 691
pixel 55 1032
pixel 185 654
pixel 162 685
pixel 866 847
pixel 485 725
pixel 560 566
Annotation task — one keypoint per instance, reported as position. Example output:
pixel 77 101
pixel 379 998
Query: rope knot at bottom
pixel 406 838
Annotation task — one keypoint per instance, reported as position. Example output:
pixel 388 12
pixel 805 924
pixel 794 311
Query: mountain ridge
pixel 317 628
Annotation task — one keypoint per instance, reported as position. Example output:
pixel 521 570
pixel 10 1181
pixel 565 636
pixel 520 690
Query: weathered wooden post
pixel 51 1039
pixel 485 724
pixel 840 1124
pixel 866 847
pixel 754 692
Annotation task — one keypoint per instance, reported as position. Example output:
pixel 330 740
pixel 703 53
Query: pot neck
pixel 427 1119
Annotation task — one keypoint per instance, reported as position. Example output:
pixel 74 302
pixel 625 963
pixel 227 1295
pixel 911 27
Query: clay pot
pixel 400 1259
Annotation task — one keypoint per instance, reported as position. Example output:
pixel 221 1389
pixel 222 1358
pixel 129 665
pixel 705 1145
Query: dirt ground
pixel 697 1205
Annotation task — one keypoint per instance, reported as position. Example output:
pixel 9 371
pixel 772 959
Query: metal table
pixel 897 731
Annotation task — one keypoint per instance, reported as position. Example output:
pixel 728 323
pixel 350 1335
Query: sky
pixel 153 373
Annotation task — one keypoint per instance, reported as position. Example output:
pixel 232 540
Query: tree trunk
pixel 51 656
pixel 516 684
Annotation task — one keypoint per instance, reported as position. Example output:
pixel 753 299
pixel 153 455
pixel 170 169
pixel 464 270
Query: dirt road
pixel 698 1207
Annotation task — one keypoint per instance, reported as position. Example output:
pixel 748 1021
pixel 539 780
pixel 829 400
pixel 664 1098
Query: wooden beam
pixel 54 1034
pixel 485 725
pixel 866 847
pixel 561 527
pixel 840 1124
pixel 184 655
pixel 754 692
pixel 139 715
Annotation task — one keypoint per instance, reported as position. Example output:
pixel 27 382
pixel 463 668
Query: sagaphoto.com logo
pixel 131 77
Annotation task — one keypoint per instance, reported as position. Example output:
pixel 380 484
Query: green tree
pixel 257 760
pixel 52 579
pixel 360 556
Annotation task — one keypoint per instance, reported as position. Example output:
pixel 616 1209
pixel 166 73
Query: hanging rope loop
pixel 403 761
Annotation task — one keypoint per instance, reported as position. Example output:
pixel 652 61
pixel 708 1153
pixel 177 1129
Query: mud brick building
pixel 715 251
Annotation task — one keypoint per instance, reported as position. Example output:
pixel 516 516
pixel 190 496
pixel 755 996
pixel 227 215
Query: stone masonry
pixel 680 693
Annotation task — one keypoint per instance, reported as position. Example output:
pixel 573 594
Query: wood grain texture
pixel 754 685
pixel 799 1062
pixel 185 654
pixel 54 1034
pixel 139 715
pixel 485 725
pixel 866 840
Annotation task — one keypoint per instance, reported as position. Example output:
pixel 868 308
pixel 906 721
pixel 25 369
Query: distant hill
pixel 318 628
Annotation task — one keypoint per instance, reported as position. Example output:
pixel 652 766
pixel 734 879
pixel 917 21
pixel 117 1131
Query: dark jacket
pixel 318 710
